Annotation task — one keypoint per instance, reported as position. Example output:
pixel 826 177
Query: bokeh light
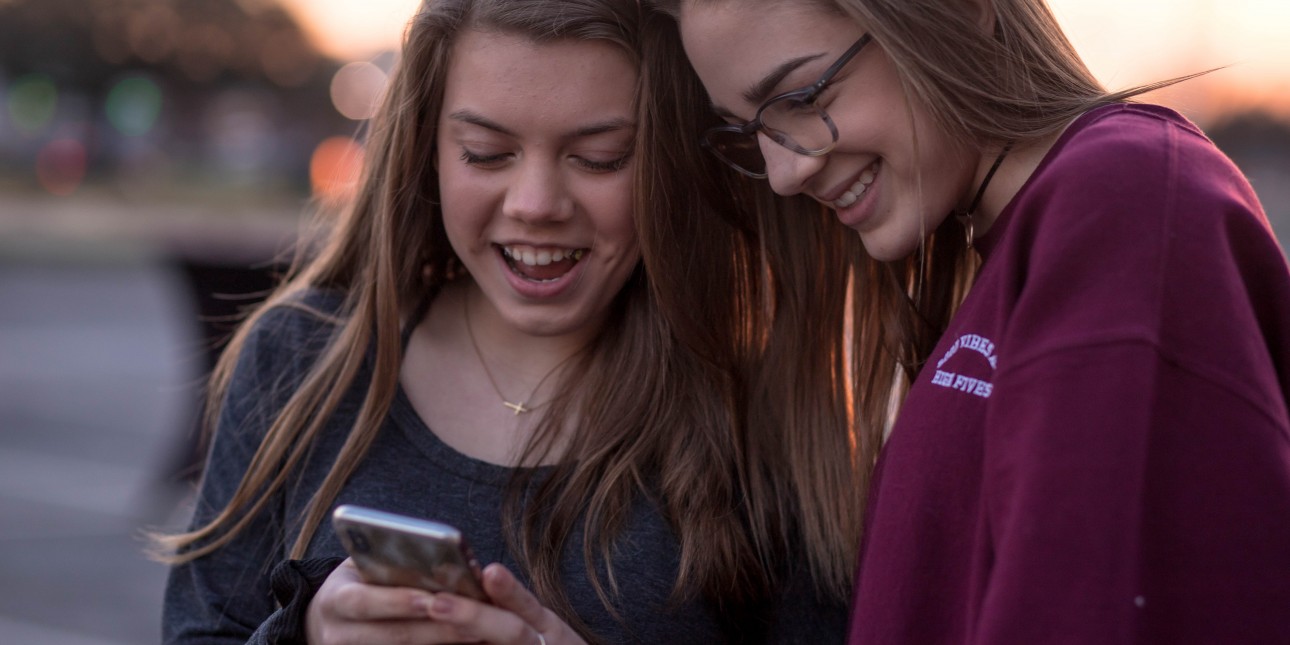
pixel 133 106
pixel 60 166
pixel 356 90
pixel 335 168
pixel 32 102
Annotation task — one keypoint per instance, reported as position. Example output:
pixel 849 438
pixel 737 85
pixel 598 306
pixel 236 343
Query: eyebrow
pixel 758 92
pixel 592 129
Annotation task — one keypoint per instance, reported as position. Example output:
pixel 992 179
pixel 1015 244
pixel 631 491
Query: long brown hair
pixel 763 306
pixel 835 337
pixel 655 419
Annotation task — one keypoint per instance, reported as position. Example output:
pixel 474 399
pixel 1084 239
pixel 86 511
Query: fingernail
pixel 441 605
pixel 419 603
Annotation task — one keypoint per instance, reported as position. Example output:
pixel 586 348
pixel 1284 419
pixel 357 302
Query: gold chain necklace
pixel 517 407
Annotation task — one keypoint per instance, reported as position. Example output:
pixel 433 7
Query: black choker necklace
pixel 980 192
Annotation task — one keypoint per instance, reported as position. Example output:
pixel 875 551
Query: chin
pixel 885 249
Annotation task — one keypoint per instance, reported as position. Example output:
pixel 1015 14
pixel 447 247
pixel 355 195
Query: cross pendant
pixel 517 407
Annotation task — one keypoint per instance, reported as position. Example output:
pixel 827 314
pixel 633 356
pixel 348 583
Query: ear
pixel 982 13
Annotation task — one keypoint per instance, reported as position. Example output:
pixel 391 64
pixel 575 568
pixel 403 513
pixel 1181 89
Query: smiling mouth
pixel 857 190
pixel 541 263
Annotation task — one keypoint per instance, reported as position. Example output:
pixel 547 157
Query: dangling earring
pixel 968 227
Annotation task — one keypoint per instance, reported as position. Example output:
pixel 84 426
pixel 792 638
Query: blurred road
pixel 99 359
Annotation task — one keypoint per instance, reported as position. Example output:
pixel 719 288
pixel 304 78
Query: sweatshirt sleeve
pixel 1151 505
pixel 1064 477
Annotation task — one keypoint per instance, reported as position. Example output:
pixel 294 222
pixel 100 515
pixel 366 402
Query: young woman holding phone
pixel 479 343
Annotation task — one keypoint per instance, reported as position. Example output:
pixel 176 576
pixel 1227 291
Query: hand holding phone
pixel 396 550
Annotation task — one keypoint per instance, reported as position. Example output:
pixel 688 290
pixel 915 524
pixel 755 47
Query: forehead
pixel 502 74
pixel 733 45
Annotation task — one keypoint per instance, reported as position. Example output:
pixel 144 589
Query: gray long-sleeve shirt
pixel 226 596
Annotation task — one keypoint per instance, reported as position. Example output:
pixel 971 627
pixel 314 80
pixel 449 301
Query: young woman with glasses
pixel 1071 305
pixel 479 343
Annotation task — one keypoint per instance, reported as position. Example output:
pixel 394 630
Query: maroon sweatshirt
pixel 1098 450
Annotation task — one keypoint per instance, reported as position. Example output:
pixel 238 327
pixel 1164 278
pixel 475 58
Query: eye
pixel 599 166
pixel 798 103
pixel 483 160
pixel 828 92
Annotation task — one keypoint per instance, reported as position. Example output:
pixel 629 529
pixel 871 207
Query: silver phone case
pixel 395 550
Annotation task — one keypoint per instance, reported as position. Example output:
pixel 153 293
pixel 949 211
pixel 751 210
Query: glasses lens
pixel 801 126
pixel 737 149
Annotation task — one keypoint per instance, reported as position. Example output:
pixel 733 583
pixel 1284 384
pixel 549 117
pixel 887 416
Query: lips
pixel 541 263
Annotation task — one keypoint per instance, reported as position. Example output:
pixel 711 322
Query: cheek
pixel 463 195
pixel 460 207
pixel 458 237
pixel 608 203
pixel 616 224
pixel 456 181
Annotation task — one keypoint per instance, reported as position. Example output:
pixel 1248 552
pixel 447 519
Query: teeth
pixel 857 189
pixel 541 257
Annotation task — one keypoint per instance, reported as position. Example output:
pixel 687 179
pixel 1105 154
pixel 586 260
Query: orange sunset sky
pixel 1125 42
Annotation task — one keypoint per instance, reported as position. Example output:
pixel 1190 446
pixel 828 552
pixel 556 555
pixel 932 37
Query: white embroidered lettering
pixel 950 352
pixel 978 387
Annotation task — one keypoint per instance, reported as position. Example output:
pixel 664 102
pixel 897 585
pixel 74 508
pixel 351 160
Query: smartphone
pixel 396 550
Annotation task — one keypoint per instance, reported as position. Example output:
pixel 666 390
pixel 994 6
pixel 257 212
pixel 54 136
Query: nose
pixel 788 172
pixel 537 193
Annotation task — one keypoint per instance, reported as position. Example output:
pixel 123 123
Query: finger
pixel 393 631
pixel 370 602
pixel 354 600
pixel 477 621
pixel 507 593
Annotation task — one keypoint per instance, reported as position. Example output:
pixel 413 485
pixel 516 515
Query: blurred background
pixel 157 159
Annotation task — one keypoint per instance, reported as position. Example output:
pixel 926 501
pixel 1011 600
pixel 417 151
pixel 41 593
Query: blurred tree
pixel 83 42
pixel 159 91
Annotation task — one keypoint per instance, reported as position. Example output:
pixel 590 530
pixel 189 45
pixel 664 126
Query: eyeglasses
pixel 792 120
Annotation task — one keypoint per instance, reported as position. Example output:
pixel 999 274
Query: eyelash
pixel 592 165
pixel 605 166
pixel 480 160
pixel 819 95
